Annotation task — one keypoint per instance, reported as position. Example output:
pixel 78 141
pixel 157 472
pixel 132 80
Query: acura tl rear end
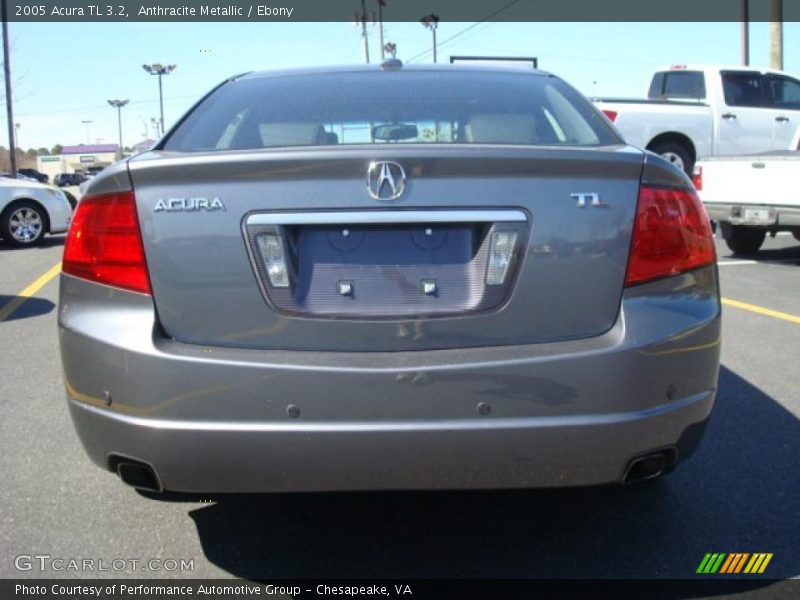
pixel 390 277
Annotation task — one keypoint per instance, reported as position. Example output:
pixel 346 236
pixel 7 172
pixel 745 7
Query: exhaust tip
pixel 138 474
pixel 648 466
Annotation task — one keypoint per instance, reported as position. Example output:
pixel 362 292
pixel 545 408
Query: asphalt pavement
pixel 739 493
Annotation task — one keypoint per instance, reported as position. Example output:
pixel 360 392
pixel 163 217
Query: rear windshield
pixel 399 107
pixel 678 84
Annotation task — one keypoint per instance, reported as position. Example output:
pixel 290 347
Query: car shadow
pixel 30 307
pixel 737 494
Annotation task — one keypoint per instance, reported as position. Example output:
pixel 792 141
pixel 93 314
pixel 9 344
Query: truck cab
pixel 695 111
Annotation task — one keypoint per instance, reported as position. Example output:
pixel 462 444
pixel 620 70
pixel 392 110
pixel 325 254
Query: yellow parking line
pixel 8 309
pixel 776 314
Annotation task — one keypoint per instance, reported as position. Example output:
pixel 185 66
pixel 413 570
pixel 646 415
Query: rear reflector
pixel 611 114
pixel 104 243
pixel 672 234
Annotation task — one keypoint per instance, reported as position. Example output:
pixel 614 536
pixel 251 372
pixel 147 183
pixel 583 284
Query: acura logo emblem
pixel 386 180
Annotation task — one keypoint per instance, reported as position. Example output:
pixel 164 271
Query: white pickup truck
pixel 698 111
pixel 751 196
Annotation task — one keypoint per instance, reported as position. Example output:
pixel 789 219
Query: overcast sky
pixel 64 73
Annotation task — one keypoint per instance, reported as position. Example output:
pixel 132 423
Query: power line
pixel 100 106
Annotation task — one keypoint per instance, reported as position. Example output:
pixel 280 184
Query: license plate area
pixel 754 215
pixel 395 264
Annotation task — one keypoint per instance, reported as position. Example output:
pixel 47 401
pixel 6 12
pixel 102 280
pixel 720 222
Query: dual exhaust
pixel 642 468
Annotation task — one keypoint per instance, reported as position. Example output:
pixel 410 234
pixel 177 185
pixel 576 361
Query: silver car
pixel 29 210
pixel 390 277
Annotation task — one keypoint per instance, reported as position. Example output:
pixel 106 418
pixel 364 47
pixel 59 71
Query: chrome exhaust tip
pixel 649 466
pixel 137 474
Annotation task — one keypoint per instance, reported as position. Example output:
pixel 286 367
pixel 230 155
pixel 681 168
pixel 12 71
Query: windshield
pixel 401 107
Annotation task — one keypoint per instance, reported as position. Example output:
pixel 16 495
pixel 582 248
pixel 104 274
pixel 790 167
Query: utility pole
pixel 12 147
pixel 362 18
pixel 118 104
pixel 745 35
pixel 381 4
pixel 776 34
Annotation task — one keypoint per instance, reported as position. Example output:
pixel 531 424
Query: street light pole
pixel 87 123
pixel 160 70
pixel 118 104
pixel 431 22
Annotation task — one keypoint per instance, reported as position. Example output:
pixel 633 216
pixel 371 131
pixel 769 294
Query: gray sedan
pixel 390 277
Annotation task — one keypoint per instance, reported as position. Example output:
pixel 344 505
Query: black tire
pixel 743 240
pixel 676 154
pixel 16 232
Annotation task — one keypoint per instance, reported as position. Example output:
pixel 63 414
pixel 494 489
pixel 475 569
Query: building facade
pixel 78 159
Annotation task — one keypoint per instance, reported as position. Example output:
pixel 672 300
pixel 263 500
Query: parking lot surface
pixel 739 493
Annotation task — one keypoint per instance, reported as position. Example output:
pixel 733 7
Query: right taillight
pixel 611 114
pixel 104 243
pixel 697 178
pixel 671 234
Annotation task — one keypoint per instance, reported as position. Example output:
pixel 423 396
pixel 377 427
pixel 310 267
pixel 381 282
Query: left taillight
pixel 104 243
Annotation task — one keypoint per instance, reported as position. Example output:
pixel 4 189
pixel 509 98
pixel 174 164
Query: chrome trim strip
pixel 386 216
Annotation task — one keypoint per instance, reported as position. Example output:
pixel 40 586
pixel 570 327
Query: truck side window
pixel 785 92
pixel 744 88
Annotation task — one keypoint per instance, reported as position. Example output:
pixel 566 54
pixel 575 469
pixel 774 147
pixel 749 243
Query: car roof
pixel 377 68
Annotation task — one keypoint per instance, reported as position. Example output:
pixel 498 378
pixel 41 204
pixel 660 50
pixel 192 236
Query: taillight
pixel 671 234
pixel 611 114
pixel 697 178
pixel 104 243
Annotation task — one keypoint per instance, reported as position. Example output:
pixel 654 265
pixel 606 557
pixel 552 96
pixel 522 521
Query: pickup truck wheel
pixel 676 154
pixel 743 240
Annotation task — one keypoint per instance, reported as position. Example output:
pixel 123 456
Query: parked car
pixel 68 179
pixel 19 176
pixel 751 196
pixel 34 174
pixel 390 277
pixel 29 210
pixel 696 111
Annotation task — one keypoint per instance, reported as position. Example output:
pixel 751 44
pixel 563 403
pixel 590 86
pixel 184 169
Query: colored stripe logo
pixel 734 563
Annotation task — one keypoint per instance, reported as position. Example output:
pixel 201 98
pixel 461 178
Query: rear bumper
pixel 218 420
pixel 784 216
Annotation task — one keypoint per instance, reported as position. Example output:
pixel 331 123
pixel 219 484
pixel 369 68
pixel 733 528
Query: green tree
pixel 57 149
pixel 43 152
